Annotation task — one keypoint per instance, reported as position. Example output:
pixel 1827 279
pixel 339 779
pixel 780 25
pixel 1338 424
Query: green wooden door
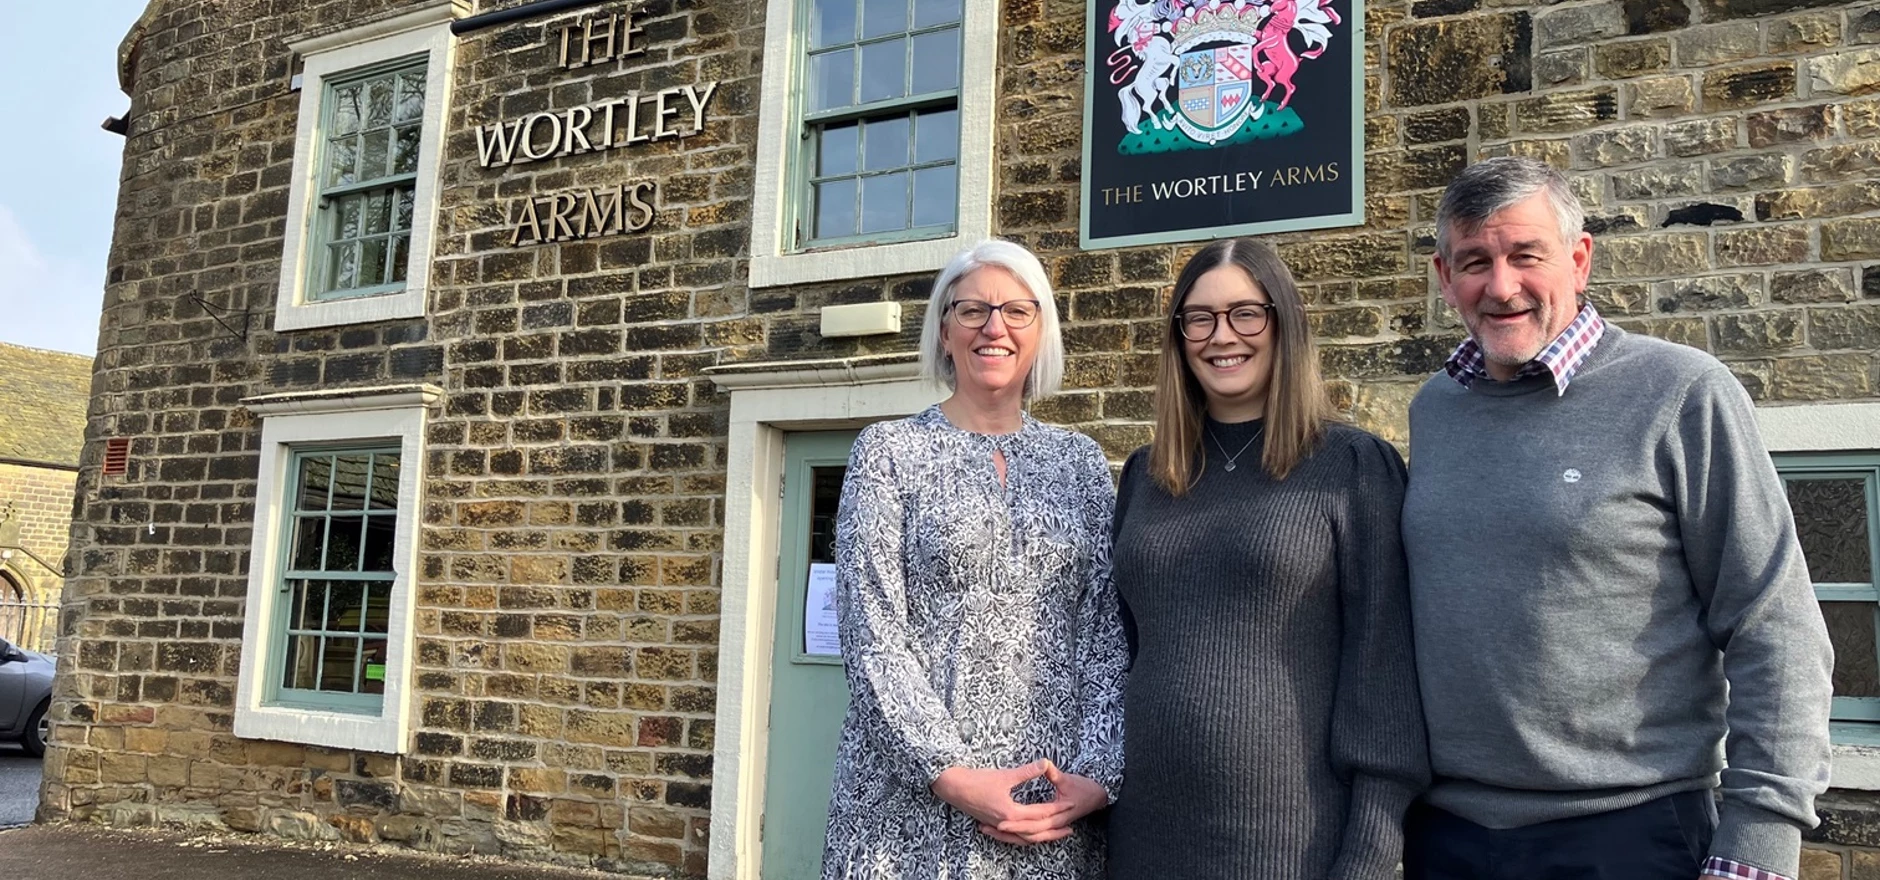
pixel 808 695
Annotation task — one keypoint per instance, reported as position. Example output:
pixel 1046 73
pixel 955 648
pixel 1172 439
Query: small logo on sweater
pixel 1571 476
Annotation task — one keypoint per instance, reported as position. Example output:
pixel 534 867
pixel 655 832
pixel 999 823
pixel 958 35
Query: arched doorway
pixel 13 610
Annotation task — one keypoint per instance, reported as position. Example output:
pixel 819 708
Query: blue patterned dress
pixel 979 628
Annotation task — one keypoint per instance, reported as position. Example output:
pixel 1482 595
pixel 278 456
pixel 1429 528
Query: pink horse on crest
pixel 1274 60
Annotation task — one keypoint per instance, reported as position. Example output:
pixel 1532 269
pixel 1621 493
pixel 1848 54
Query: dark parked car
pixel 25 695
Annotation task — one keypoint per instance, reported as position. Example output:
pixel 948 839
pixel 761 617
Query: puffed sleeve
pixel 1379 745
pixel 888 684
pixel 1102 650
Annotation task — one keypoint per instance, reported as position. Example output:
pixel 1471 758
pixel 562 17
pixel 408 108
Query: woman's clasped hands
pixel 986 795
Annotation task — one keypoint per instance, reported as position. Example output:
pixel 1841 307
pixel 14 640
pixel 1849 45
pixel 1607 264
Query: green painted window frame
pixel 808 126
pixel 276 692
pixel 323 216
pixel 1853 720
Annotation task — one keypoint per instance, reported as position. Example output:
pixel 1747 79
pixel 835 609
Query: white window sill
pixel 860 261
pixel 355 310
pixel 1855 767
pixel 336 730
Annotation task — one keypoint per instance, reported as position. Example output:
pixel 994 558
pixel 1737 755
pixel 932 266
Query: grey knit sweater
pixel 1272 724
pixel 1605 581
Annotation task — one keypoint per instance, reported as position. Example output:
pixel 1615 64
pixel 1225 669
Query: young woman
pixel 1274 730
pixel 980 631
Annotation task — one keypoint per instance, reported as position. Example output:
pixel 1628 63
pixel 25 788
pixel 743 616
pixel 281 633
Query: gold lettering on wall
pixel 637 118
pixel 589 213
pixel 634 118
pixel 600 38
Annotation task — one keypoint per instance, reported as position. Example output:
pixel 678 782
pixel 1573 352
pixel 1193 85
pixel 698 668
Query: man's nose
pixel 1504 283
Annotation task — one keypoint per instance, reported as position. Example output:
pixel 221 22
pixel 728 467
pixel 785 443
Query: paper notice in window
pixel 819 611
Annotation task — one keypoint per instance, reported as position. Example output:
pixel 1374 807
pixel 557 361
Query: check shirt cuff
pixel 1717 867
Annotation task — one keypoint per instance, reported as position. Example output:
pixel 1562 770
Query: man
pixel 1604 579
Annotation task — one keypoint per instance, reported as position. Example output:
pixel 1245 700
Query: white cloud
pixel 46 301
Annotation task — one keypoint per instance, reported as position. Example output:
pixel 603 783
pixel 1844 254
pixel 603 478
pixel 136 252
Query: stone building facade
pixel 569 432
pixel 42 396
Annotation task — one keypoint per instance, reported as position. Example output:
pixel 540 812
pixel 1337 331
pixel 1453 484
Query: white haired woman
pixel 980 631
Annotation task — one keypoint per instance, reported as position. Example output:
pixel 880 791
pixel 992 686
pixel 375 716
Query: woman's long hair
pixel 1297 406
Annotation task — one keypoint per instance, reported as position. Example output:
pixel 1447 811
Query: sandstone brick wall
pixel 40 499
pixel 573 512
pixel 39 502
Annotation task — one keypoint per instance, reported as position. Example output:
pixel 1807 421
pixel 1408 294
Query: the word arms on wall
pixel 585 214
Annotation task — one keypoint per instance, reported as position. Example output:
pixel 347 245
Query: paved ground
pixel 92 853
pixel 19 786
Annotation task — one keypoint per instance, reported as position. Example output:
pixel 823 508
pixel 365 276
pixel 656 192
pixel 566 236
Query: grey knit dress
pixel 1274 729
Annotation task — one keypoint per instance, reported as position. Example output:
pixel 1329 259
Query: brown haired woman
pixel 1273 729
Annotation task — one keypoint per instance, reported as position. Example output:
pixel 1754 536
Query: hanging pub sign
pixel 1211 118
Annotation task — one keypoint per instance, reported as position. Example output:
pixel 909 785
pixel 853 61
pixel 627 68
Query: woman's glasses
pixel 973 314
pixel 1247 319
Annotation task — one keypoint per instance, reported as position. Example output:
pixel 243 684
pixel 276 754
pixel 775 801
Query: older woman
pixel 1274 726
pixel 980 632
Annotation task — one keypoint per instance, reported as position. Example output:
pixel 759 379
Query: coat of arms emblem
pixel 1194 74
pixel 1215 86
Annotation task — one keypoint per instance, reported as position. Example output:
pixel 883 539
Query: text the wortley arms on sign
pixel 617 123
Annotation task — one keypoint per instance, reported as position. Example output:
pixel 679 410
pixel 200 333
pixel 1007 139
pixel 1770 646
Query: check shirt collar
pixel 1560 359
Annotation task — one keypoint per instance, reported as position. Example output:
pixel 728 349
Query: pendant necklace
pixel 1243 447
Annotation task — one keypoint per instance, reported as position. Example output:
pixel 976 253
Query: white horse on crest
pixel 1142 26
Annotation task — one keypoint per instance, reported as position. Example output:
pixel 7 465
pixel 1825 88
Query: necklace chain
pixel 1243 447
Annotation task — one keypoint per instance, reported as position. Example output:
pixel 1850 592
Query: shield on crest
pixel 1215 87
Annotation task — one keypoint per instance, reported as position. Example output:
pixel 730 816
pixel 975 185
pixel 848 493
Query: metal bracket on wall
pixel 216 312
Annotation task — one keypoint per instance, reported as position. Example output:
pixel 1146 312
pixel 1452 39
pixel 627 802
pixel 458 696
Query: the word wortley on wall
pixel 612 124
pixel 476 378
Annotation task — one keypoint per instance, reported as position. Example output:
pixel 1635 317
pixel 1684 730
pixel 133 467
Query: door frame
pixel 767 402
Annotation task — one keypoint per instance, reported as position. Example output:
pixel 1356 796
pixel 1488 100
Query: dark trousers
pixel 1665 839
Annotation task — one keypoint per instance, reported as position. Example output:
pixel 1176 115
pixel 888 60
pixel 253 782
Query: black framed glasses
pixel 973 314
pixel 1246 319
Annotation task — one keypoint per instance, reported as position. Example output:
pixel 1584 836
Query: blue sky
pixel 58 186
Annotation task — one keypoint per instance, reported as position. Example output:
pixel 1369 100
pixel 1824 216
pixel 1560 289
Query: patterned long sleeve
pixel 886 681
pixel 1378 738
pixel 1102 649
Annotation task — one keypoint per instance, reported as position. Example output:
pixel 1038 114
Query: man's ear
pixel 1583 258
pixel 1442 277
